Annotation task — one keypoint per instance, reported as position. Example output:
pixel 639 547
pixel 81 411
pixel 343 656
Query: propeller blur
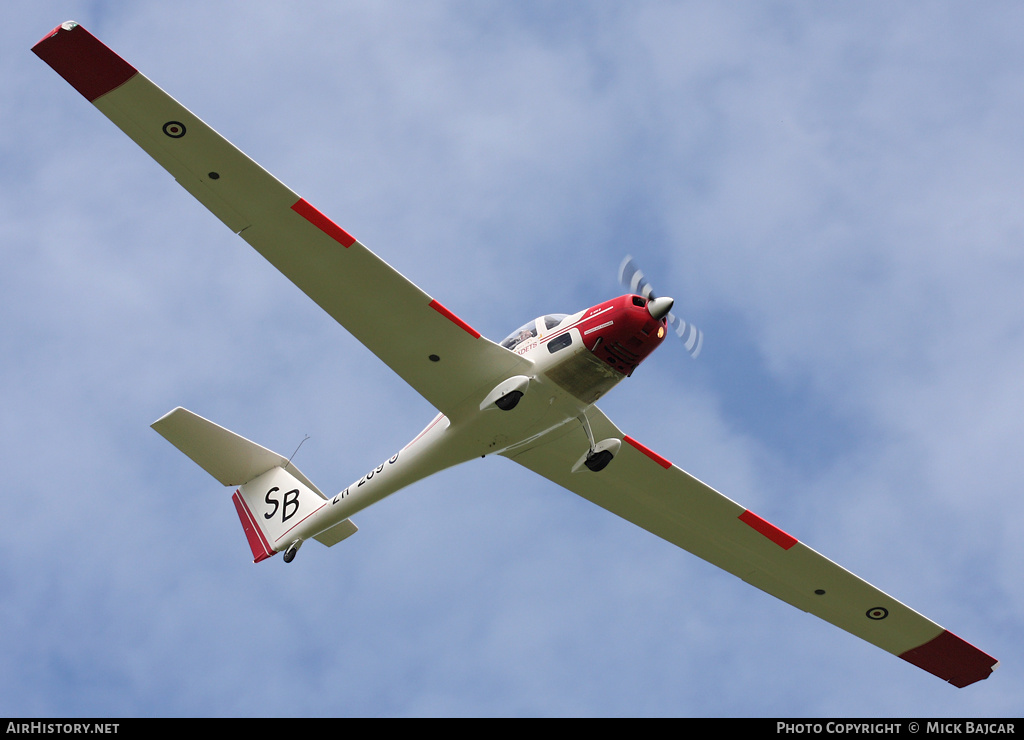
pixel 631 276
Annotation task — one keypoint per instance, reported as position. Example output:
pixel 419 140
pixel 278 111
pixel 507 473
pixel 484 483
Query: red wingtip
pixel 54 32
pixel 83 60
pixel 952 659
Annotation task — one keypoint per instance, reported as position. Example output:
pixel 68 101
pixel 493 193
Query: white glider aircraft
pixel 530 398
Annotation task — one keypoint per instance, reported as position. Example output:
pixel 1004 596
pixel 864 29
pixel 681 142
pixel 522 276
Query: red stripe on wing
pixel 769 530
pixel 319 220
pixel 454 319
pixel 649 452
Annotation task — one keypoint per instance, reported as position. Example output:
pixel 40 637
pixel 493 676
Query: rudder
pixel 271 507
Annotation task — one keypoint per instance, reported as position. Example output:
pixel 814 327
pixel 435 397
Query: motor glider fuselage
pixel 575 360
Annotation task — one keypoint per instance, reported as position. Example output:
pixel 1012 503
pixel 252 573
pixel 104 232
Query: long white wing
pixel 641 486
pixel 433 350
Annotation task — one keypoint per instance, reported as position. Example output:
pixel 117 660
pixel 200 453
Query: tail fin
pixel 271 507
pixel 273 496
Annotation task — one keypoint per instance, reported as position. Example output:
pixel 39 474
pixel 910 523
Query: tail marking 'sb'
pixel 273 496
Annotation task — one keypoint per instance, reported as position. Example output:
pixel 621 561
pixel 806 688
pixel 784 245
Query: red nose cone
pixel 622 332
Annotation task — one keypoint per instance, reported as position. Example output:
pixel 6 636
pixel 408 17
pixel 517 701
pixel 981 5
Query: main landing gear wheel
pixel 599 454
pixel 509 400
pixel 597 461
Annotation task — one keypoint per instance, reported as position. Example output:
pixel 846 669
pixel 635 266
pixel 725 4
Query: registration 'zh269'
pixel 365 479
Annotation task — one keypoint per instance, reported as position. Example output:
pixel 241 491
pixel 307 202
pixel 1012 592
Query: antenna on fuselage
pixel 296 452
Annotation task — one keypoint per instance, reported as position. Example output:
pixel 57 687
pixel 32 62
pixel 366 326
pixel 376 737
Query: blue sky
pixel 830 191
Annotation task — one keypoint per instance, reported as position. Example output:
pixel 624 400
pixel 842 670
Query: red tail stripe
pixel 261 549
pixel 83 60
pixel 319 220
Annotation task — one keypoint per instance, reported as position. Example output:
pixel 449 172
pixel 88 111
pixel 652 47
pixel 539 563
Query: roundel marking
pixel 877 613
pixel 174 129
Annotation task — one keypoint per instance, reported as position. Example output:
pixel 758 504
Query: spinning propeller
pixel 633 278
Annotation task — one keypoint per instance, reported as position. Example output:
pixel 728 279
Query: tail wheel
pixel 289 554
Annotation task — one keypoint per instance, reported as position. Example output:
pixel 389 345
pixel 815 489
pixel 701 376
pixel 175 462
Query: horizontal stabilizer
pixel 230 458
pixel 337 533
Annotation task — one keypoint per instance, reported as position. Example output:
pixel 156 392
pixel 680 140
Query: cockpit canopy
pixel 532 329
